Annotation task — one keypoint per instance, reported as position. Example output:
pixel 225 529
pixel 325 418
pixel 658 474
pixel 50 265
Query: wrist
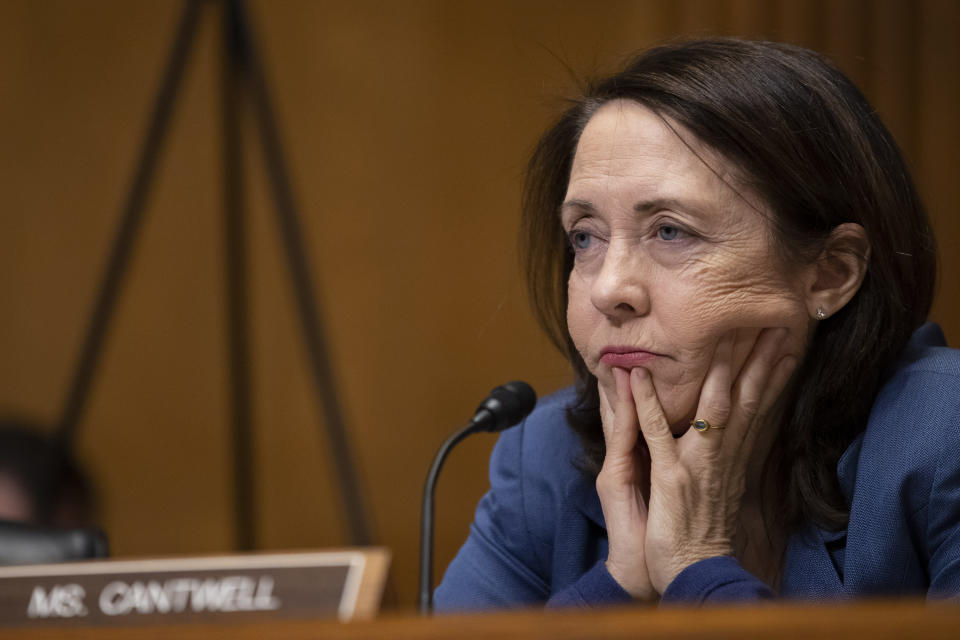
pixel 631 581
pixel 661 580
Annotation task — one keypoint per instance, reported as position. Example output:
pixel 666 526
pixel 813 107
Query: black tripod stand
pixel 243 78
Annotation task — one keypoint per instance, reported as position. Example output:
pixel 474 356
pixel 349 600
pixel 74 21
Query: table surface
pixel 875 620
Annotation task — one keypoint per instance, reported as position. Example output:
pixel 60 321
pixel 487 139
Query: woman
pixel 724 236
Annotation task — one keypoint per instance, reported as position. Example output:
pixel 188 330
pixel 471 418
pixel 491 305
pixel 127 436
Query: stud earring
pixel 820 314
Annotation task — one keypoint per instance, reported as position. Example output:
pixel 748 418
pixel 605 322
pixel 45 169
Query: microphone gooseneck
pixel 506 405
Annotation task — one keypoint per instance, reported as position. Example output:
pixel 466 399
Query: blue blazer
pixel 539 536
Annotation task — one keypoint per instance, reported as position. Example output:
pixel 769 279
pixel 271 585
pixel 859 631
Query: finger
pixel 776 383
pixel 606 404
pixel 743 345
pixel 714 404
pixel 653 424
pixel 758 386
pixel 620 430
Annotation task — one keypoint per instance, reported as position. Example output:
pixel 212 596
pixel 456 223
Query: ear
pixel 838 271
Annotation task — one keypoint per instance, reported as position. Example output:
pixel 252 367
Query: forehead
pixel 649 156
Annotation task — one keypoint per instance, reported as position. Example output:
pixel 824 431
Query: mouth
pixel 626 357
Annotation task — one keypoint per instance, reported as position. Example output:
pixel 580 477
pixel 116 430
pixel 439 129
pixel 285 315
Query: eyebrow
pixel 642 207
pixel 583 205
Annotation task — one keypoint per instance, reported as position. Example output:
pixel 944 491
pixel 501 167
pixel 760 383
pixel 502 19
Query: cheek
pixel 581 314
pixel 706 303
pixel 679 402
pixel 733 292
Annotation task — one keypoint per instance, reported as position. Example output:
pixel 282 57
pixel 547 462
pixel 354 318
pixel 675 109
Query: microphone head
pixel 506 405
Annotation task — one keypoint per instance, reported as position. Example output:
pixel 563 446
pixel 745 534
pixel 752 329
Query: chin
pixel 680 427
pixel 679 414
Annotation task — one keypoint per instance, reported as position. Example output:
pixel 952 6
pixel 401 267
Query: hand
pixel 621 485
pixel 697 481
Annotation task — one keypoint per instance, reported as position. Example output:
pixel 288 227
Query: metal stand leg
pixel 242 70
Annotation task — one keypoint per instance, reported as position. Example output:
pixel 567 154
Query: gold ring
pixel 703 426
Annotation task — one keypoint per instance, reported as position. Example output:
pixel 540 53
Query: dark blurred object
pixel 47 505
pixel 40 483
pixel 29 544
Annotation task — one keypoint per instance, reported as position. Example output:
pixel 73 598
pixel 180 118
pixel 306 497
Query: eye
pixel 580 240
pixel 668 232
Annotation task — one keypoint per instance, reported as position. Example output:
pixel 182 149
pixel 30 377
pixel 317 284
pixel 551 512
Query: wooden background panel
pixel 938 104
pixel 407 126
pixel 74 112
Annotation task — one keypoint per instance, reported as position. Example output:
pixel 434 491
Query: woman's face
pixel 668 257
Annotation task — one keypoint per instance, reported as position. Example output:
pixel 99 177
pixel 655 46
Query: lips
pixel 626 357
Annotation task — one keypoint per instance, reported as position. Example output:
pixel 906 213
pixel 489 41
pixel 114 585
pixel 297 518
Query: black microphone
pixel 506 405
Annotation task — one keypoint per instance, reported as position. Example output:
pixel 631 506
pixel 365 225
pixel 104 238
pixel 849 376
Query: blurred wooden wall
pixel 407 126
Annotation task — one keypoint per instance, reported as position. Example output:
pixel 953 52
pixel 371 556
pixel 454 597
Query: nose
pixel 619 289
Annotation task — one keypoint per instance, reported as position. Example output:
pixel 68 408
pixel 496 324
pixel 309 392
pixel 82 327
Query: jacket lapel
pixel 582 492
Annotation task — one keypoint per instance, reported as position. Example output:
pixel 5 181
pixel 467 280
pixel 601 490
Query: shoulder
pixel 531 469
pixel 903 475
pixel 914 425
pixel 547 436
pixel 927 354
pixel 535 463
pixel 543 445
pixel 920 395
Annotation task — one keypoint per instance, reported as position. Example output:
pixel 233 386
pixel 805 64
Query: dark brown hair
pixel 810 145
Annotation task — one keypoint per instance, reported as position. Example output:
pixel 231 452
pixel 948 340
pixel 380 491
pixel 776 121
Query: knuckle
pixel 611 484
pixel 607 484
pixel 750 404
pixel 677 476
pixel 603 481
pixel 718 409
